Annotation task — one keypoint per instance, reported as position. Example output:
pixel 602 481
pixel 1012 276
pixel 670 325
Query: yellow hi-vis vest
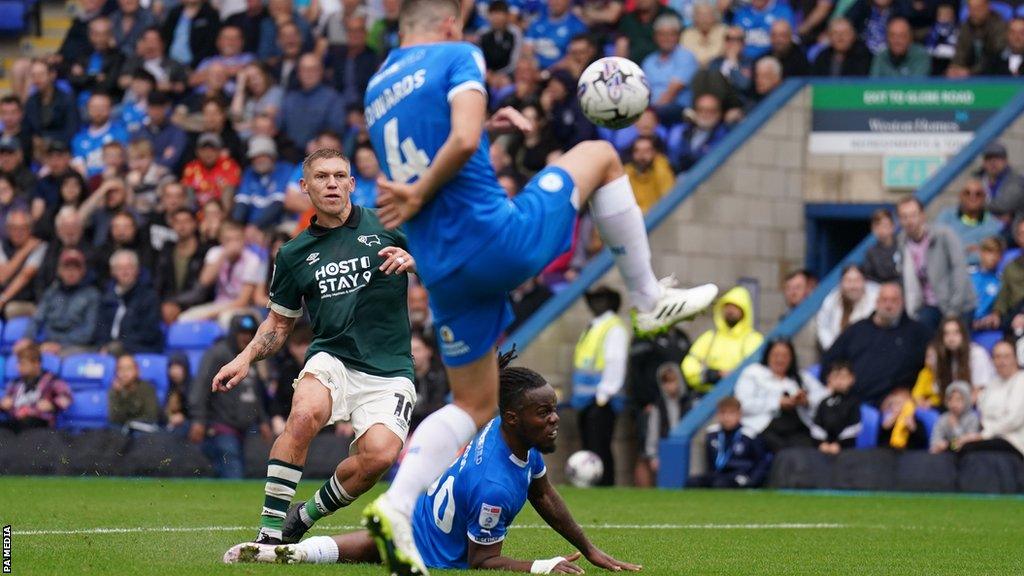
pixel 588 365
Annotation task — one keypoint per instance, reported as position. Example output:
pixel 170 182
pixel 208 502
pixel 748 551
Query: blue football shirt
pixel 409 118
pixel 87 145
pixel 476 499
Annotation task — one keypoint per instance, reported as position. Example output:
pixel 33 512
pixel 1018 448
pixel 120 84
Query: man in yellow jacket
pixel 649 173
pixel 721 349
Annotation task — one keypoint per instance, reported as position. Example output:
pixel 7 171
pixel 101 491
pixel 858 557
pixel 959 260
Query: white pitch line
pixel 157 529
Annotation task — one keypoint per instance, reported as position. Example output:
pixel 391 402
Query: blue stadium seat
pixel 195 357
pixel 870 421
pixel 153 368
pixel 814 370
pixel 1004 10
pixel 1020 11
pixel 928 418
pixel 987 339
pixel 88 371
pixel 88 410
pixel 51 363
pixel 12 17
pixel 14 330
pixel 1008 256
pixel 192 335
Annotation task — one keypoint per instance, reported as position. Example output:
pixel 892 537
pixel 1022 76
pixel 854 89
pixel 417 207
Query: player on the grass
pixel 463 520
pixel 346 268
pixel 425 111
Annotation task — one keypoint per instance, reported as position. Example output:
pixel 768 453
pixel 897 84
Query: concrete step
pixel 33 46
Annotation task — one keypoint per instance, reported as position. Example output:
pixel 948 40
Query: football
pixel 613 92
pixel 584 469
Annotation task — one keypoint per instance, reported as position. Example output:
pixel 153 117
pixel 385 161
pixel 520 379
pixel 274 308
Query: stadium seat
pixel 814 370
pixel 1020 11
pixel 928 418
pixel 88 371
pixel 192 335
pixel 870 420
pixel 987 339
pixel 153 368
pixel 1004 10
pixel 12 17
pixel 195 358
pixel 88 410
pixel 51 363
pixel 1009 256
pixel 14 330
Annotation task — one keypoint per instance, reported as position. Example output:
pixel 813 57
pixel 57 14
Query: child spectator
pixel 176 407
pixel 880 260
pixel 941 41
pixel 132 402
pixel 837 420
pixel 956 358
pixel 959 420
pixel 986 281
pixel 659 418
pixel 735 457
pixel 900 428
pixel 924 392
pixel 34 399
pixel 144 176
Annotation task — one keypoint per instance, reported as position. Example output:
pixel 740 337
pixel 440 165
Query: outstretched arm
pixel 270 337
pixel 488 557
pixel 549 504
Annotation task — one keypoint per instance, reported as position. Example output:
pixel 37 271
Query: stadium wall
pixel 737 216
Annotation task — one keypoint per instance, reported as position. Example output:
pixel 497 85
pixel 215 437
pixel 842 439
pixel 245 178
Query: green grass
pixel 873 534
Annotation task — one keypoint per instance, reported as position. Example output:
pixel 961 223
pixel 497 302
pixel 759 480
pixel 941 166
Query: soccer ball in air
pixel 613 92
pixel 584 469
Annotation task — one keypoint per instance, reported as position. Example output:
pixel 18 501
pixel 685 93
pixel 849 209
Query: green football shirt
pixel 359 314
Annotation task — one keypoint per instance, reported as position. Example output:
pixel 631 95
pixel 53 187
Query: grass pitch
pixel 65 526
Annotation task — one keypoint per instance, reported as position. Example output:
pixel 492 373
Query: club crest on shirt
pixel 369 239
pixel 489 516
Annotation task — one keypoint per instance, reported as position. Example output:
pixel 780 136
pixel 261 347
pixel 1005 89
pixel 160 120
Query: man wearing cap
pixel 214 174
pixel 346 271
pixel 1003 185
pixel 12 165
pixel 259 203
pixel 46 195
pixel 67 312
pixel 222 422
pixel 599 373
pixel 168 140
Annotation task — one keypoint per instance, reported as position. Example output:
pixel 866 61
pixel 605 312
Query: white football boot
pixel 674 306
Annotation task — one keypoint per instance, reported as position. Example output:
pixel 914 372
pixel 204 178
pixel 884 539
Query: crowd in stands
pixel 149 172
pixel 922 343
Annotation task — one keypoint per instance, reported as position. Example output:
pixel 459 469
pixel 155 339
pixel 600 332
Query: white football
pixel 584 469
pixel 613 92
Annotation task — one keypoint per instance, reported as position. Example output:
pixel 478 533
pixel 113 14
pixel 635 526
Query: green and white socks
pixel 327 500
pixel 282 478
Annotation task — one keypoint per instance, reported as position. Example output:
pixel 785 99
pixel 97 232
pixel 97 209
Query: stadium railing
pixel 674 451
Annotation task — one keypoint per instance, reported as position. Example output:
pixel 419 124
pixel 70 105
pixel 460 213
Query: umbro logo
pixel 369 239
pixel 313 258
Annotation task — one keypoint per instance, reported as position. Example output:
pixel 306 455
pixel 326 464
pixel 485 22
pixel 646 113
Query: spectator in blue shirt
pixel 311 108
pixel 669 71
pixel 259 202
pixel 756 20
pixel 367 168
pixel 87 146
pixel 550 34
pixel 705 129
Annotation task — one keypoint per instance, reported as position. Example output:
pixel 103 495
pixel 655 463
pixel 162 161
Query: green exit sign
pixel 903 172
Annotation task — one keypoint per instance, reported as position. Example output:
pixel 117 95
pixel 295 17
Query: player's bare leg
pixel 376 451
pixel 352 547
pixel 601 182
pixel 431 450
pixel 311 409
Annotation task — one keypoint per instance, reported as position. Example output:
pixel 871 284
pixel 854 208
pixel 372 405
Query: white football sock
pixel 432 449
pixel 621 224
pixel 319 550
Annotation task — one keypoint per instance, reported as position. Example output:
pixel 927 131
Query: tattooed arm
pixel 269 338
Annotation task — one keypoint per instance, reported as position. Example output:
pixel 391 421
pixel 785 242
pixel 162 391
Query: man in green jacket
pixel 901 58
